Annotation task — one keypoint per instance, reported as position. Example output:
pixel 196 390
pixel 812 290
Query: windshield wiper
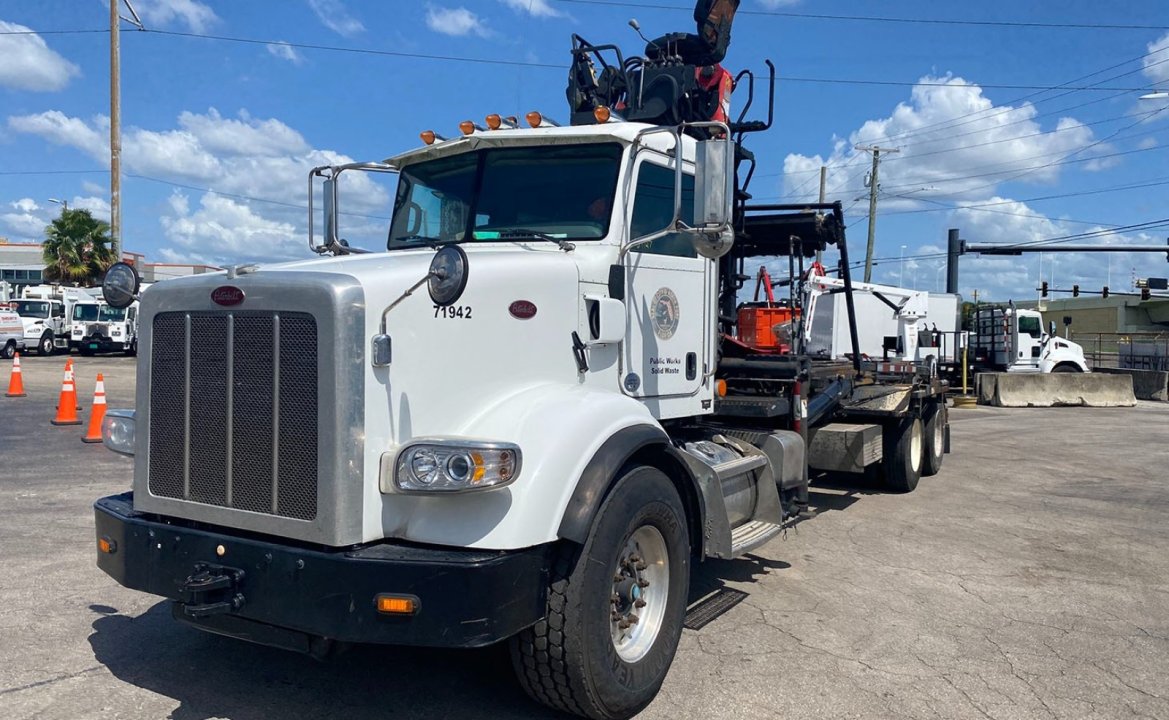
pixel 519 233
pixel 433 242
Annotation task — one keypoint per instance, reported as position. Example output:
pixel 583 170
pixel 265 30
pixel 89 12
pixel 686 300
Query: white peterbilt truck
pixel 522 421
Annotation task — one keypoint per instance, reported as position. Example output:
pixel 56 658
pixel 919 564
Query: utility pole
pixel 116 123
pixel 873 184
pixel 823 187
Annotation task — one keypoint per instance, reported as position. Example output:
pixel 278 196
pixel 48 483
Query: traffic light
pixel 1075 290
pixel 1104 293
pixel 1043 289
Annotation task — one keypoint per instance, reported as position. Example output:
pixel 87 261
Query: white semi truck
pixel 522 420
pixel 99 327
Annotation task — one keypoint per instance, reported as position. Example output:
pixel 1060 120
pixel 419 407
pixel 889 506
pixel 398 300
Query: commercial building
pixel 23 264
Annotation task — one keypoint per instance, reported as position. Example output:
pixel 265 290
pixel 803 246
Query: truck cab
pixel 1011 339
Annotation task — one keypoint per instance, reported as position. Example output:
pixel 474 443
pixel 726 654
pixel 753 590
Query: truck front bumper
pixel 277 593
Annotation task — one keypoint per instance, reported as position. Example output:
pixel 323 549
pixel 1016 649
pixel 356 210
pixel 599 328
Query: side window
pixel 58 310
pixel 1031 326
pixel 653 209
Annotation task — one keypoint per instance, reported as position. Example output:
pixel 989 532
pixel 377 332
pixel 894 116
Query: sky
pixel 1014 122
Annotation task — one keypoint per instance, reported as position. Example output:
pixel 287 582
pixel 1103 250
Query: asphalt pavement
pixel 1027 580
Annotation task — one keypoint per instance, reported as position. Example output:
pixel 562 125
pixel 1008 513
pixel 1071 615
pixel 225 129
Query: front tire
pixel 615 606
pixel 45 344
pixel 1065 367
pixel 904 449
pixel 9 351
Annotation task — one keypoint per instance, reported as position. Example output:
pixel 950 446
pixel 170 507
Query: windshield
pixel 85 313
pixel 561 191
pixel 32 308
pixel 111 314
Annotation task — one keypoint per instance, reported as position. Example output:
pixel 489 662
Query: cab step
pixel 751 535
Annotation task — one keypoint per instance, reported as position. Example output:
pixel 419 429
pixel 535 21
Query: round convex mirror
pixel 120 287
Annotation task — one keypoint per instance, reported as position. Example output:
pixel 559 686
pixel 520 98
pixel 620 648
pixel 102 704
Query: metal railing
pixel 1139 350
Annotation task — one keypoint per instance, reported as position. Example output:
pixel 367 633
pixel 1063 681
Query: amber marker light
pixel 534 119
pixel 720 387
pixel 602 114
pixel 467 127
pixel 397 604
pixel 428 136
pixel 494 121
pixel 107 546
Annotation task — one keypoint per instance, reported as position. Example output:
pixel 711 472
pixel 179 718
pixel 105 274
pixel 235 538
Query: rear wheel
pixel 904 445
pixel 615 606
pixel 9 351
pixel 935 438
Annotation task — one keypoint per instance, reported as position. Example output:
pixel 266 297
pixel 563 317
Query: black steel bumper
pixel 285 595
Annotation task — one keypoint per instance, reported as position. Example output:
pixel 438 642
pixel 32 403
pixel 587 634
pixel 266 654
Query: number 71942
pixel 463 312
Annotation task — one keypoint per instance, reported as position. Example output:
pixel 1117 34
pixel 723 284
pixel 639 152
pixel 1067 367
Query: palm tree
pixel 77 248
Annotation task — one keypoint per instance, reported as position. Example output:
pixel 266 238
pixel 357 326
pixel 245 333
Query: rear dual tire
pixel 904 446
pixel 586 656
pixel 935 438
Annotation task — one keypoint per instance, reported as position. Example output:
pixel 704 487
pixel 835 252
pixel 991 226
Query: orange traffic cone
pixel 93 435
pixel 67 405
pixel 69 374
pixel 16 381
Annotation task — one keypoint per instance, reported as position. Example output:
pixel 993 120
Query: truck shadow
pixel 218 677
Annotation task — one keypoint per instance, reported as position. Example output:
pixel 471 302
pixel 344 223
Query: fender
pixel 600 473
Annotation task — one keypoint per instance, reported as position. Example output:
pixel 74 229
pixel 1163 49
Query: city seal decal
pixel 663 313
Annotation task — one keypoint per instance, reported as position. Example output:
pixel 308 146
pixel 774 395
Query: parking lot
pixel 1030 579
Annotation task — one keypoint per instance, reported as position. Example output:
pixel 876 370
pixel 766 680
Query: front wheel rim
pixel 641 589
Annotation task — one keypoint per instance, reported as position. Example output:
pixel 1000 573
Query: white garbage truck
pixel 99 327
pixel 522 419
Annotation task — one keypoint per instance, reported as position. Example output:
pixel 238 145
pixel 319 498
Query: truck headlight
pixel 77 332
pixel 455 466
pixel 117 431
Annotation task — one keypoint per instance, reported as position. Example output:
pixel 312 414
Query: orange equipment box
pixel 757 323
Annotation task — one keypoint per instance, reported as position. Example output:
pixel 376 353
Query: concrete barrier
pixel 1146 384
pixel 1050 389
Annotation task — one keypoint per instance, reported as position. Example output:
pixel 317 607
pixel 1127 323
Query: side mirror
pixel 606 320
pixel 330 211
pixel 120 286
pixel 714 195
pixel 1051 328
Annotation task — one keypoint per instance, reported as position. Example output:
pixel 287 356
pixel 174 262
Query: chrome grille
pixel 233 411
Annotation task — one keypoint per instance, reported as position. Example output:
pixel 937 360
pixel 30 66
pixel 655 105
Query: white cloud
pixel 1156 64
pixel 241 156
pixel 223 230
pixel 284 51
pixel 245 136
pixel 29 64
pixel 1147 144
pixel 535 8
pixel 28 222
pixel 92 187
pixel 97 206
pixel 776 4
pixel 937 158
pixel 455 21
pixel 190 13
pixel 334 15
pixel 25 205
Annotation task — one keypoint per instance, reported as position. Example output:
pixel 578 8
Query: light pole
pixel 62 203
pixel 901 271
pixel 1157 95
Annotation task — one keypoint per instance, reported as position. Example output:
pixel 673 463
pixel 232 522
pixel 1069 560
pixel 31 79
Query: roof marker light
pixel 467 127
pixel 534 119
pixel 430 137
pixel 602 113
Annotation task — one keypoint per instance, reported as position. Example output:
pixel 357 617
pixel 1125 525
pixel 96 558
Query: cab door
pixel 669 298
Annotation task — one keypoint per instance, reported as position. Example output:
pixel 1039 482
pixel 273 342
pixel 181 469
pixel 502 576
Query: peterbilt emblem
pixel 522 309
pixel 227 295
pixel 663 313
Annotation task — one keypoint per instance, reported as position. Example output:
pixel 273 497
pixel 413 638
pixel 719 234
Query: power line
pixel 51 172
pixel 886 19
pixel 557 66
